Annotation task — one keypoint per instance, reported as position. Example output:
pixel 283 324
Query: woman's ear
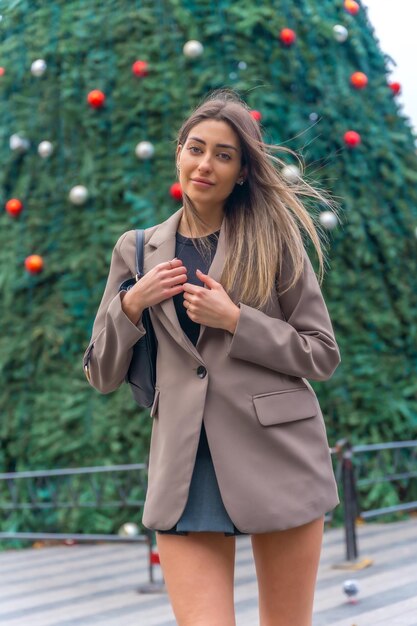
pixel 244 172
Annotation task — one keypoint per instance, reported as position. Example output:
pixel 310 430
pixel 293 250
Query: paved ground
pixel 84 585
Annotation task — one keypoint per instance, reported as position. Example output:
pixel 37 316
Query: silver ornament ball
pixel 78 194
pixel 351 588
pixel 129 529
pixel 328 219
pixel 291 173
pixel 144 150
pixel 340 33
pixel 45 149
pixel 193 49
pixel 18 143
pixel 38 67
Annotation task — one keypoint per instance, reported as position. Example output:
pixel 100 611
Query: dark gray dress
pixel 204 510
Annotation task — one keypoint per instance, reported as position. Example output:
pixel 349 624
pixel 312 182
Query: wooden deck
pixel 97 584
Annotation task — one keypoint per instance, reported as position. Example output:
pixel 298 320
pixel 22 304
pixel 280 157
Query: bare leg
pixel 198 570
pixel 286 565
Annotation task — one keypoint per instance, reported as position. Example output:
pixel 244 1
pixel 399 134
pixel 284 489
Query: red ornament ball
pixel 359 80
pixel 257 115
pixel 352 138
pixel 96 98
pixel 2 71
pixel 287 36
pixel 140 68
pixel 395 87
pixel 14 207
pixel 34 264
pixel 176 191
pixel 352 7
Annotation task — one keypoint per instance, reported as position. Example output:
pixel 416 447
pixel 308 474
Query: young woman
pixel 238 440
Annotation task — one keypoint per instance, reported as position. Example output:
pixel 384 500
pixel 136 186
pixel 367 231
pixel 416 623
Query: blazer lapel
pixel 163 240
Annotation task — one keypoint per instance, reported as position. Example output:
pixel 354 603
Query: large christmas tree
pixel 92 95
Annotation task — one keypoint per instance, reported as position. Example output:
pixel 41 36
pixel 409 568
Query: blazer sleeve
pixel 108 356
pixel 303 345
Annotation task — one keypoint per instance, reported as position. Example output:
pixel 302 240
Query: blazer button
pixel 201 371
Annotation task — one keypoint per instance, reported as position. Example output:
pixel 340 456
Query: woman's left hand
pixel 212 306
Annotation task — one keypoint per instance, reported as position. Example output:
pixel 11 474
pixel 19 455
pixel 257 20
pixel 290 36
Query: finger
pixel 173 291
pixel 191 297
pixel 191 314
pixel 177 271
pixel 207 280
pixel 169 265
pixel 175 280
pixel 188 306
pixel 190 288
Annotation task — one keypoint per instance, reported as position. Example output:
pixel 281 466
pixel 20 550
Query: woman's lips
pixel 199 183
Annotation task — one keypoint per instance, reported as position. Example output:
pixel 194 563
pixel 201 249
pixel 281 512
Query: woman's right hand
pixel 163 281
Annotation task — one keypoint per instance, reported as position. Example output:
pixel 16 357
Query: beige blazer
pixel 264 425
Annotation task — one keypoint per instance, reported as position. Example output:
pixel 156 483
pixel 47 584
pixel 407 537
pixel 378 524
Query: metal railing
pixel 356 467
pixel 95 488
pixel 364 466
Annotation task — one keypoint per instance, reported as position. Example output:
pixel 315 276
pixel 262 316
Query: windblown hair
pixel 265 217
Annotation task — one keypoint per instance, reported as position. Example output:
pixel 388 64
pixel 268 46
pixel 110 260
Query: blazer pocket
pixel 154 407
pixel 280 407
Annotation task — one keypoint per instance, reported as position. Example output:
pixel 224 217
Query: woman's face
pixel 212 153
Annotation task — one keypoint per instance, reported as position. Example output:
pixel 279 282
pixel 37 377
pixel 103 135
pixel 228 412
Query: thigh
pixel 198 570
pixel 286 565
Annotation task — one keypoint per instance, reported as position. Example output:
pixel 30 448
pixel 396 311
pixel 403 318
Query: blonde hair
pixel 265 217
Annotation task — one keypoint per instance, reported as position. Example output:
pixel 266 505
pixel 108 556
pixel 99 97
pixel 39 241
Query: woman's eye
pixel 223 155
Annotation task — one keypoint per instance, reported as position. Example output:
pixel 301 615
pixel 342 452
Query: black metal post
pixel 350 504
pixel 153 586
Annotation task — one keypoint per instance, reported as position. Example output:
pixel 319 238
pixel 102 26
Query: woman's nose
pixel 205 164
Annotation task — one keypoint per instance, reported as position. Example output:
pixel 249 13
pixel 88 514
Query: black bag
pixel 141 374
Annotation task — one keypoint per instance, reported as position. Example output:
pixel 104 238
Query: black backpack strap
pixel 140 245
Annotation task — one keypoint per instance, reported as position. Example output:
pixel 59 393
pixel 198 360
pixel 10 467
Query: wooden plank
pixel 98 584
